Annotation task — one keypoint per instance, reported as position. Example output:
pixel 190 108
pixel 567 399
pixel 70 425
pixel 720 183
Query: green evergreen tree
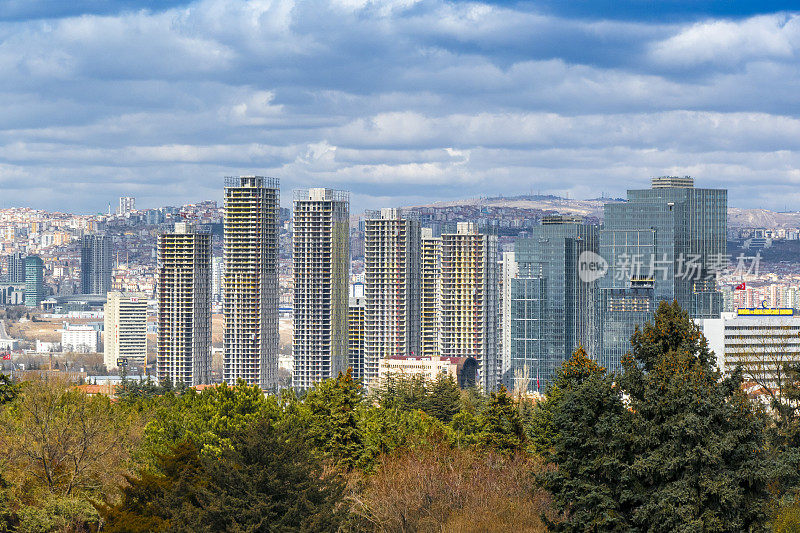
pixel 8 389
pixel 591 448
pixel 502 429
pixel 540 426
pixel 444 399
pixel 333 419
pixel 268 480
pixel 698 442
pixel 685 451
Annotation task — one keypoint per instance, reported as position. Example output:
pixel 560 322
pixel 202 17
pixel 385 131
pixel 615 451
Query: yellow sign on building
pixel 759 311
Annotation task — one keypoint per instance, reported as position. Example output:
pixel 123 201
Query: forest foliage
pixel 668 444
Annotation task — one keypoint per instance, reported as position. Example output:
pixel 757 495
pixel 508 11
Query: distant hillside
pixel 566 206
pixel 737 217
pixel 761 218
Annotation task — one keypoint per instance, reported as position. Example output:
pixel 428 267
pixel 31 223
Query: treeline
pixel 666 445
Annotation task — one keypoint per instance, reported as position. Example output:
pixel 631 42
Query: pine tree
pixel 8 390
pixel 444 399
pixel 502 428
pixel 591 448
pixel 685 451
pixel 698 442
pixel 577 369
pixel 333 419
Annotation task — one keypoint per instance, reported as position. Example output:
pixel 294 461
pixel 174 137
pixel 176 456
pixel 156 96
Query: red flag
pixel 742 286
pixel 6 357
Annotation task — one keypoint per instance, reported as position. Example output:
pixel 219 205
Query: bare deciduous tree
pixel 58 439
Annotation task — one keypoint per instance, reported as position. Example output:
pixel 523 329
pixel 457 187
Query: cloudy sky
pixel 398 101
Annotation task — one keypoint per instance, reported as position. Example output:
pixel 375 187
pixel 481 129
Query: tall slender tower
pixel 321 260
pixel 34 281
pixel 509 271
pixel 15 272
pixel 391 288
pixel 469 300
pixel 184 305
pixel 250 286
pixel 551 307
pixel 431 288
pixel 96 261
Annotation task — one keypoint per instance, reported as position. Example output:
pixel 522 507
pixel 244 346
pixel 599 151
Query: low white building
pixel 759 340
pixel 80 338
pixel 47 347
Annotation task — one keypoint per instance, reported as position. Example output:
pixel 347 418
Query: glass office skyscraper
pixel 552 308
pixel 96 264
pixel 665 243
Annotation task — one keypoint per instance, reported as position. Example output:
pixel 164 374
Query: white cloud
pixel 398 99
pixel 728 43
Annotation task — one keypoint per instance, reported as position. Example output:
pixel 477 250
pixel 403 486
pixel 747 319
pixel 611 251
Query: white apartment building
pixel 125 330
pixel 759 340
pixel 80 338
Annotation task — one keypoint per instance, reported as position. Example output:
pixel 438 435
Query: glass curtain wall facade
pixel 553 309
pixel 96 264
pixel 665 243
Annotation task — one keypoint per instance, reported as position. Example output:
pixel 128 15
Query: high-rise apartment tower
pixel 184 305
pixel 250 286
pixel 469 304
pixel 355 351
pixel 430 292
pixel 391 288
pixel 321 260
pixel 96 264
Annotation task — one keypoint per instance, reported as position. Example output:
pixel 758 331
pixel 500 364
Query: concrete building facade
pixel 469 302
pixel 184 305
pixel 80 338
pixel 392 288
pixel 355 336
pixel 125 335
pixel 430 292
pixel 321 267
pixel 250 286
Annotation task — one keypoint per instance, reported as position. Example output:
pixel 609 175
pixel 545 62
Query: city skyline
pixel 107 100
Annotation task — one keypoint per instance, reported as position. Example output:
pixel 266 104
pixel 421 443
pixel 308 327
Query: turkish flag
pixel 6 357
pixel 742 286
